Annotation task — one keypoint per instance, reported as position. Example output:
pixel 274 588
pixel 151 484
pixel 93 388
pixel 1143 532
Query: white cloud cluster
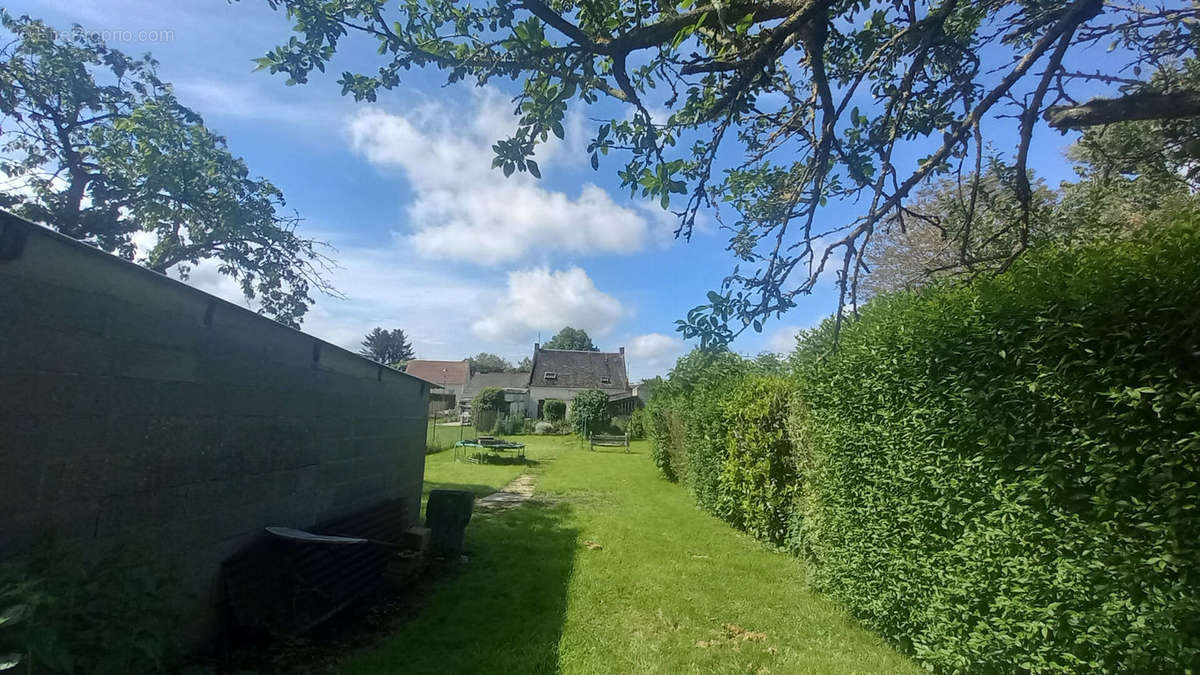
pixel 541 299
pixel 463 209
pixel 653 354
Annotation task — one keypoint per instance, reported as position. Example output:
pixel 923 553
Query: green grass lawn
pixel 663 588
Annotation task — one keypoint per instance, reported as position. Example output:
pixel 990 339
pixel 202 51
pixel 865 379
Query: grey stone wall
pixel 137 410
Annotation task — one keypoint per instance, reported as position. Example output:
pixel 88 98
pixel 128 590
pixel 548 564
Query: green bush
pixel 1004 476
pixel 666 439
pixel 487 407
pixel 554 410
pixel 589 412
pixel 111 616
pixel 688 425
pixel 489 398
pixel 758 482
pixel 637 425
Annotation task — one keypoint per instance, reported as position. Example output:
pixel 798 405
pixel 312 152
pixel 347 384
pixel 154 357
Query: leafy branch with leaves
pixel 778 110
pixel 96 146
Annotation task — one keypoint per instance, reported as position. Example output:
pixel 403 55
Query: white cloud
pixel 259 99
pixel 783 339
pixel 540 299
pixel 653 354
pixel 434 306
pixel 463 209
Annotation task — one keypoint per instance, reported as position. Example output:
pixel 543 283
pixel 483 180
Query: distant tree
pixel 389 347
pixel 525 366
pixel 571 338
pixel 957 227
pixel 484 362
pixel 95 146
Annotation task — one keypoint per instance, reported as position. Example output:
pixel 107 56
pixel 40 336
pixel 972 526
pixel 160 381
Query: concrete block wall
pixel 136 410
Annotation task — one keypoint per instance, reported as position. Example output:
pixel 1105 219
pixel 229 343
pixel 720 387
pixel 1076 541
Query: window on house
pixel 605 380
pixel 551 375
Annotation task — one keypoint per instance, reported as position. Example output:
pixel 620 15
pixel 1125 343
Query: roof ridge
pixel 578 351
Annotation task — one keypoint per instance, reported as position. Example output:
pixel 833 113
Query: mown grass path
pixel 610 570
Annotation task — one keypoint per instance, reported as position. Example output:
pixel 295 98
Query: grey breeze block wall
pixel 136 409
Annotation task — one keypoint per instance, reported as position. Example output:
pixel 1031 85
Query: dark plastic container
pixel 446 515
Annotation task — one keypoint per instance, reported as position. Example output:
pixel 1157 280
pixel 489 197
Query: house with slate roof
pixel 563 373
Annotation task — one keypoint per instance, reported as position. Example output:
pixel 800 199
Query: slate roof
pixel 579 369
pixel 502 380
pixel 431 371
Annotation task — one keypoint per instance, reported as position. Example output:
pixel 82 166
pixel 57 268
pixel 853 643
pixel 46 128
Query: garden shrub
pixel 487 407
pixel 589 412
pixel 554 410
pixel 110 616
pixel 758 482
pixel 1003 476
pixel 666 438
pixel 543 428
pixel 689 437
pixel 637 425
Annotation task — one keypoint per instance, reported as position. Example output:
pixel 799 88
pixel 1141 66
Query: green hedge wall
pixel 688 431
pixel 758 481
pixel 1002 476
pixel 1006 474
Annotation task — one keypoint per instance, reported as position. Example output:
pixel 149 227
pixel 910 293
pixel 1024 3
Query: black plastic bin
pixel 446 515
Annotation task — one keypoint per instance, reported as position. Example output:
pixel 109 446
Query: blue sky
pixel 428 237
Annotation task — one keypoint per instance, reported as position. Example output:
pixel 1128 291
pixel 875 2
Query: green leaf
pixel 533 168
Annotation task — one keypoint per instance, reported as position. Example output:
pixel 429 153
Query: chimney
pixel 622 351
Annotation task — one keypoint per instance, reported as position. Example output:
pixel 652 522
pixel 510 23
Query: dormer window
pixel 550 376
pixel 604 379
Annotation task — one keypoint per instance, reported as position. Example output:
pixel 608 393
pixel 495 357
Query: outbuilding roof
pixel 502 380
pixel 439 372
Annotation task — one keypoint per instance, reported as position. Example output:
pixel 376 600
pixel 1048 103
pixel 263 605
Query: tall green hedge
pixel 1002 476
pixel 687 427
pixel 759 481
pixel 1006 473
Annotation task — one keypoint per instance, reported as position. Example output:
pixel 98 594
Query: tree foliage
pixel 96 146
pixel 825 102
pixel 571 338
pixel 957 227
pixel 389 347
pixel 483 362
